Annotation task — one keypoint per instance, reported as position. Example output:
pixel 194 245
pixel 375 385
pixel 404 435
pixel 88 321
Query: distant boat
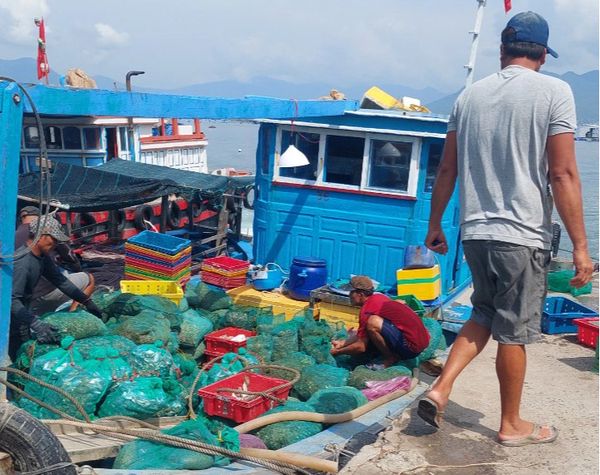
pixel 587 133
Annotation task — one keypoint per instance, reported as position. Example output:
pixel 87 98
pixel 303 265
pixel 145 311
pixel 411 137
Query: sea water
pixel 233 144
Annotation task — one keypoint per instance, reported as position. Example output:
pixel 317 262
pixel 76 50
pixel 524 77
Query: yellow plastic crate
pixel 168 289
pixel 249 296
pixel 425 284
pixel 333 312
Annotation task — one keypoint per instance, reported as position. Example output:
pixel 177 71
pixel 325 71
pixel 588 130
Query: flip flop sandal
pixel 429 411
pixel 533 438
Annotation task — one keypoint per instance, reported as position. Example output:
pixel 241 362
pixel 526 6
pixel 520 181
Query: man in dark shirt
pixel 46 297
pixel 29 267
pixel 393 327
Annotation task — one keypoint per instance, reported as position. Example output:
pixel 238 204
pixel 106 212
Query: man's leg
pixel 468 344
pixel 374 326
pixel 88 290
pixel 511 363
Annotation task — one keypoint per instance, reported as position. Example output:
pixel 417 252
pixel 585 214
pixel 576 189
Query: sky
pixel 417 43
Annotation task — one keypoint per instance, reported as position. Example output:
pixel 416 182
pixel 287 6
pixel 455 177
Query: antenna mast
pixel 476 30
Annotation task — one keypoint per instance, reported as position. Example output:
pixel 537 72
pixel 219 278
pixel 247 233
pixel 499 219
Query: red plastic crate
pixel 222 403
pixel 216 344
pixel 220 281
pixel 226 266
pixel 587 331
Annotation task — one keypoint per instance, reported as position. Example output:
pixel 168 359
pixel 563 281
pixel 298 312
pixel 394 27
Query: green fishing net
pixel 200 295
pixel 109 363
pixel 262 345
pixel 173 343
pixel 146 327
pixel 29 351
pixel 183 305
pixel 66 370
pixel 337 400
pixel 127 304
pixel 104 299
pixel 240 317
pixel 152 360
pixel 560 281
pixel 227 366
pixel 142 398
pixel 435 336
pixel 285 339
pixel 193 328
pixel 266 321
pixel 281 434
pixel 361 374
pixel 199 351
pixel 216 317
pixel 78 324
pixel 296 360
pixel 143 454
pixel 124 346
pixel 319 376
pixel 319 347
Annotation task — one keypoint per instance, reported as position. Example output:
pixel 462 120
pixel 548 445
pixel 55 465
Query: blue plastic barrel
pixel 306 274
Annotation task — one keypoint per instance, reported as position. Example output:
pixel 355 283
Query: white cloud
pixel 21 28
pixel 108 36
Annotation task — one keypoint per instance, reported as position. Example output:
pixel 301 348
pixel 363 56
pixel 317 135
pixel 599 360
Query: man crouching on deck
pixel 391 326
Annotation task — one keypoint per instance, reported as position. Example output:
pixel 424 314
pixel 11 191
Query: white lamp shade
pixel 292 157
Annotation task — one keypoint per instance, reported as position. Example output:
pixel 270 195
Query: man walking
pixel 510 140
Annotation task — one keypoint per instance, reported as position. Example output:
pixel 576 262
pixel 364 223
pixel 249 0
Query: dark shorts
pixel 396 341
pixel 509 289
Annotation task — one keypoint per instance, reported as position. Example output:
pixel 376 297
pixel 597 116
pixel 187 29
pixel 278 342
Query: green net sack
pixel 146 327
pixel 228 366
pixel 216 317
pixel 559 281
pixel 124 346
pixel 104 299
pixel 200 295
pixel 143 454
pixel 361 374
pixel 109 363
pixel 193 328
pixel 183 305
pixel 285 339
pixel 319 347
pixel 280 434
pixel 78 324
pixel 262 345
pixel 199 351
pixel 186 371
pixel 28 352
pixel 266 321
pixel 296 360
pixel 435 336
pixel 143 398
pixel 337 400
pixel 173 343
pixel 320 376
pixel 65 369
pixel 130 304
pixel 240 317
pixel 152 360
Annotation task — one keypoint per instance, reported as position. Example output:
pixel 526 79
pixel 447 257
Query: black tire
pixel 248 199
pixel 174 216
pixel 87 221
pixel 121 220
pixel 142 213
pixel 30 443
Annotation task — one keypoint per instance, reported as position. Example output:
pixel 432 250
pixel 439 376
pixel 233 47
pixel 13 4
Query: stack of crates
pixel 225 272
pixel 155 256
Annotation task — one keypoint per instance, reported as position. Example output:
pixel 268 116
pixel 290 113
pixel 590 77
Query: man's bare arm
pixel 566 189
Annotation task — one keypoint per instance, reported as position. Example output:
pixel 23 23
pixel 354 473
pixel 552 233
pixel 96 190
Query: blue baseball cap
pixel 529 27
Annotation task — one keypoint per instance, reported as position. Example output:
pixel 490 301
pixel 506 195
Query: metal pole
pixel 130 119
pixel 478 21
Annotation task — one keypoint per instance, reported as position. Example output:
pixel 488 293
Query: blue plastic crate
pixel 559 313
pixel 158 242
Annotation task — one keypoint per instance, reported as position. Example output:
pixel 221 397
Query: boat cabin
pixel 92 141
pixel 363 197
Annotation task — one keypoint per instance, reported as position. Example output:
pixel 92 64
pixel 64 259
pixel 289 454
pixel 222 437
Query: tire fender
pixel 142 213
pixel 174 215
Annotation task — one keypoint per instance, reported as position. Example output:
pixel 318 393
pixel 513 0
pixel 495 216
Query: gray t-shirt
pixel 502 124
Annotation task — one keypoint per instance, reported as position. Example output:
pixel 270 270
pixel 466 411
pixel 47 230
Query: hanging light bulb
pixel 292 157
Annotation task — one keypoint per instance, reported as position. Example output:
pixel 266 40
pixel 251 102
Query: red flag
pixel 507 5
pixel 43 69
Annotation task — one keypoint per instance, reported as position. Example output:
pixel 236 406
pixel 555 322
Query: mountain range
pixel 585 88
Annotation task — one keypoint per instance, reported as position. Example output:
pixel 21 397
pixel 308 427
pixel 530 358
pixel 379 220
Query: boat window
pixel 343 159
pixel 123 139
pixel 91 138
pixel 53 137
pixel 308 144
pixel 72 136
pixel 433 162
pixel 32 137
pixel 389 165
